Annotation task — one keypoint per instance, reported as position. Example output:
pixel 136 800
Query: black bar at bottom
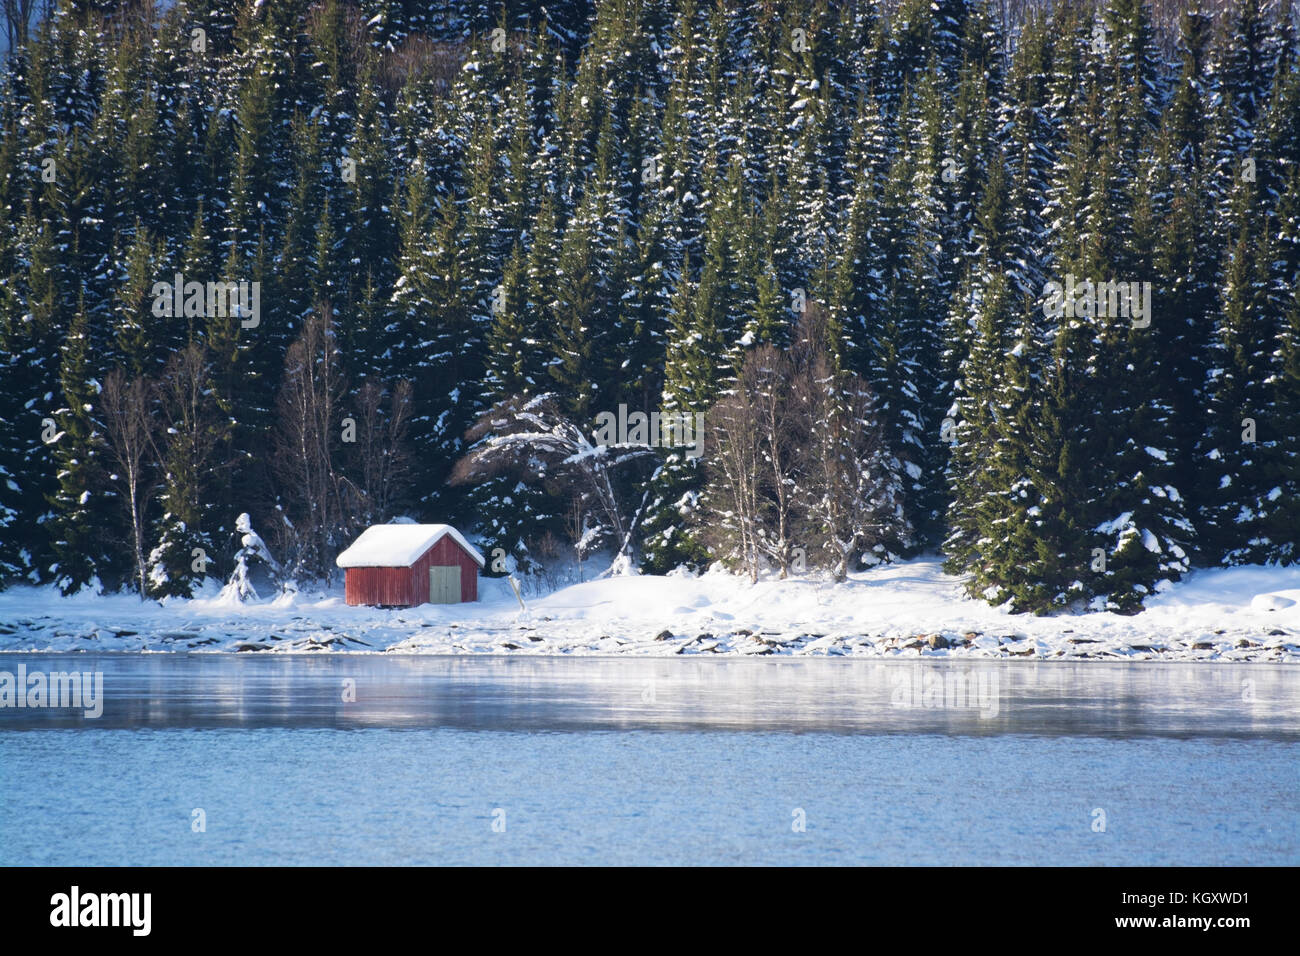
pixel 300 906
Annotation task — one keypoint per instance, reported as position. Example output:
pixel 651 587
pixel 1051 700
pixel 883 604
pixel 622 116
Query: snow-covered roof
pixel 399 545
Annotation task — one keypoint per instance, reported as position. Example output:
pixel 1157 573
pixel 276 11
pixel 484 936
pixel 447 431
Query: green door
pixel 444 585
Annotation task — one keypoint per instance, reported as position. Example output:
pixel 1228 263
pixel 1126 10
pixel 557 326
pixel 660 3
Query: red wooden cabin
pixel 402 565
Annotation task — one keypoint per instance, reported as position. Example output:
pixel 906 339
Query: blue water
pixel 653 762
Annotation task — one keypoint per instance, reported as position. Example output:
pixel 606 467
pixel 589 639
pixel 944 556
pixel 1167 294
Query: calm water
pixel 557 761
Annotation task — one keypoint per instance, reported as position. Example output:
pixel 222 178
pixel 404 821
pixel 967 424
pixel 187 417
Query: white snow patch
pixel 399 545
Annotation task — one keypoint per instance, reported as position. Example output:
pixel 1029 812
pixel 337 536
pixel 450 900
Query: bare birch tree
pixel 305 445
pixel 379 460
pixel 795 457
pixel 734 463
pixel 126 409
pixel 850 495
pixel 768 375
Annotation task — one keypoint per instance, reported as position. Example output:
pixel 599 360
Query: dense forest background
pixel 830 228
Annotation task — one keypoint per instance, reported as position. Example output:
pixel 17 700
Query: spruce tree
pixel 669 536
pixel 81 504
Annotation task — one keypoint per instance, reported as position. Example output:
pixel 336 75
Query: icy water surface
pixel 379 759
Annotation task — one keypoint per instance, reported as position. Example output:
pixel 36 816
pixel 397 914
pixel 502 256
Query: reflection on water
pixel 622 761
pixel 575 694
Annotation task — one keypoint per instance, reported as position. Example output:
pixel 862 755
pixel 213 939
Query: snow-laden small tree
pixel 252 553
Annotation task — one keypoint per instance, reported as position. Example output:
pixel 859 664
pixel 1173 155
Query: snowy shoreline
pixel 911 609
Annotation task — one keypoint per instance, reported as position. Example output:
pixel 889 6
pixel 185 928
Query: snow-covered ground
pixel 907 609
